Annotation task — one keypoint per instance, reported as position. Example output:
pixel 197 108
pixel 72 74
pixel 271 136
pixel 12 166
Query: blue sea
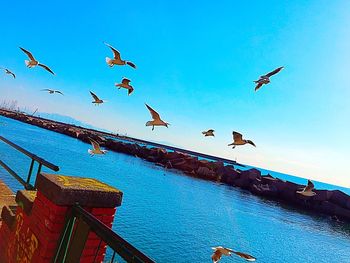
pixel 176 218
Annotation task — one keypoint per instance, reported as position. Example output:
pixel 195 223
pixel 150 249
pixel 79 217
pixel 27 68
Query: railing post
pixel 30 171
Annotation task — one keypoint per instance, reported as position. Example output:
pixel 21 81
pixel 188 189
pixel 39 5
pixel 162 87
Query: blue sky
pixel 196 64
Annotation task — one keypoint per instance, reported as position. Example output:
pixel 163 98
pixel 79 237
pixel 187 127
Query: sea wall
pixel 336 204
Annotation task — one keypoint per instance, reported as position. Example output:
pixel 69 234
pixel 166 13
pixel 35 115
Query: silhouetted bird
pixel 33 63
pixel 51 91
pixel 157 121
pixel 237 140
pixel 96 148
pixel 307 191
pixel 265 79
pixel 116 60
pixel 7 71
pixel 126 85
pixel 97 100
pixel 208 133
pixel 219 251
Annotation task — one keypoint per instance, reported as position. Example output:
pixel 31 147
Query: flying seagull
pixel 51 91
pixel 97 100
pixel 116 60
pixel 32 62
pixel 219 251
pixel 265 79
pixel 307 191
pixel 156 119
pixel 126 85
pixel 208 133
pixel 237 140
pixel 7 71
pixel 96 148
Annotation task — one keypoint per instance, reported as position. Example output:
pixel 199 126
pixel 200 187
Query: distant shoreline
pixel 334 203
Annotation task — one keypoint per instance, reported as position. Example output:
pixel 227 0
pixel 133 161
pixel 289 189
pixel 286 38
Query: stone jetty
pixel 335 204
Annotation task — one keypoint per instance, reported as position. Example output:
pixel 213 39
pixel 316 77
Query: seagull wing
pixel 47 68
pixel 126 81
pixel 13 74
pixel 258 86
pixel 116 53
pixel 310 186
pixel 47 90
pixel 250 142
pixel 274 72
pixel 245 256
pixel 211 130
pixel 237 136
pixel 154 114
pixel 28 53
pixel 95 144
pixel 131 64
pixel 94 96
pixel 130 90
pixel 57 91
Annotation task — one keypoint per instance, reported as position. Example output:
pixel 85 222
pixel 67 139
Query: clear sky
pixel 196 64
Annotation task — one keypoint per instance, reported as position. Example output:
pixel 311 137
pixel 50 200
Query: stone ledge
pixel 68 190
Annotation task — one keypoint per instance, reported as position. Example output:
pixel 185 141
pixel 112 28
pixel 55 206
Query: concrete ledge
pixel 68 190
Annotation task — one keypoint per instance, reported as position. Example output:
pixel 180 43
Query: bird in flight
pixel 265 79
pixel 33 63
pixel 307 191
pixel 219 251
pixel 96 148
pixel 97 100
pixel 238 140
pixel 116 60
pixel 157 121
pixel 208 133
pixel 7 71
pixel 51 91
pixel 126 85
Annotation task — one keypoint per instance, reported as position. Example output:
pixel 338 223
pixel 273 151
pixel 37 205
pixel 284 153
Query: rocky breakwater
pixel 333 203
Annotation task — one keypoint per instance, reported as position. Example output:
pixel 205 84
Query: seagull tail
pixel 109 62
pixel 27 63
pixel 90 152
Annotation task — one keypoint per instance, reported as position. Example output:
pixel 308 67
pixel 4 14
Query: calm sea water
pixel 175 218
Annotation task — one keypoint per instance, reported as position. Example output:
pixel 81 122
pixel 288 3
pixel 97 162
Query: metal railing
pixel 80 224
pixel 41 162
pixel 83 223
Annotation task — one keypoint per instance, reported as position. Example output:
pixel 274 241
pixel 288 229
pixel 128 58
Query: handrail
pixel 71 247
pixel 31 155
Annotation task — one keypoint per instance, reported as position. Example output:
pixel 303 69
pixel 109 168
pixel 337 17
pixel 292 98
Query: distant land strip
pixel 334 203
